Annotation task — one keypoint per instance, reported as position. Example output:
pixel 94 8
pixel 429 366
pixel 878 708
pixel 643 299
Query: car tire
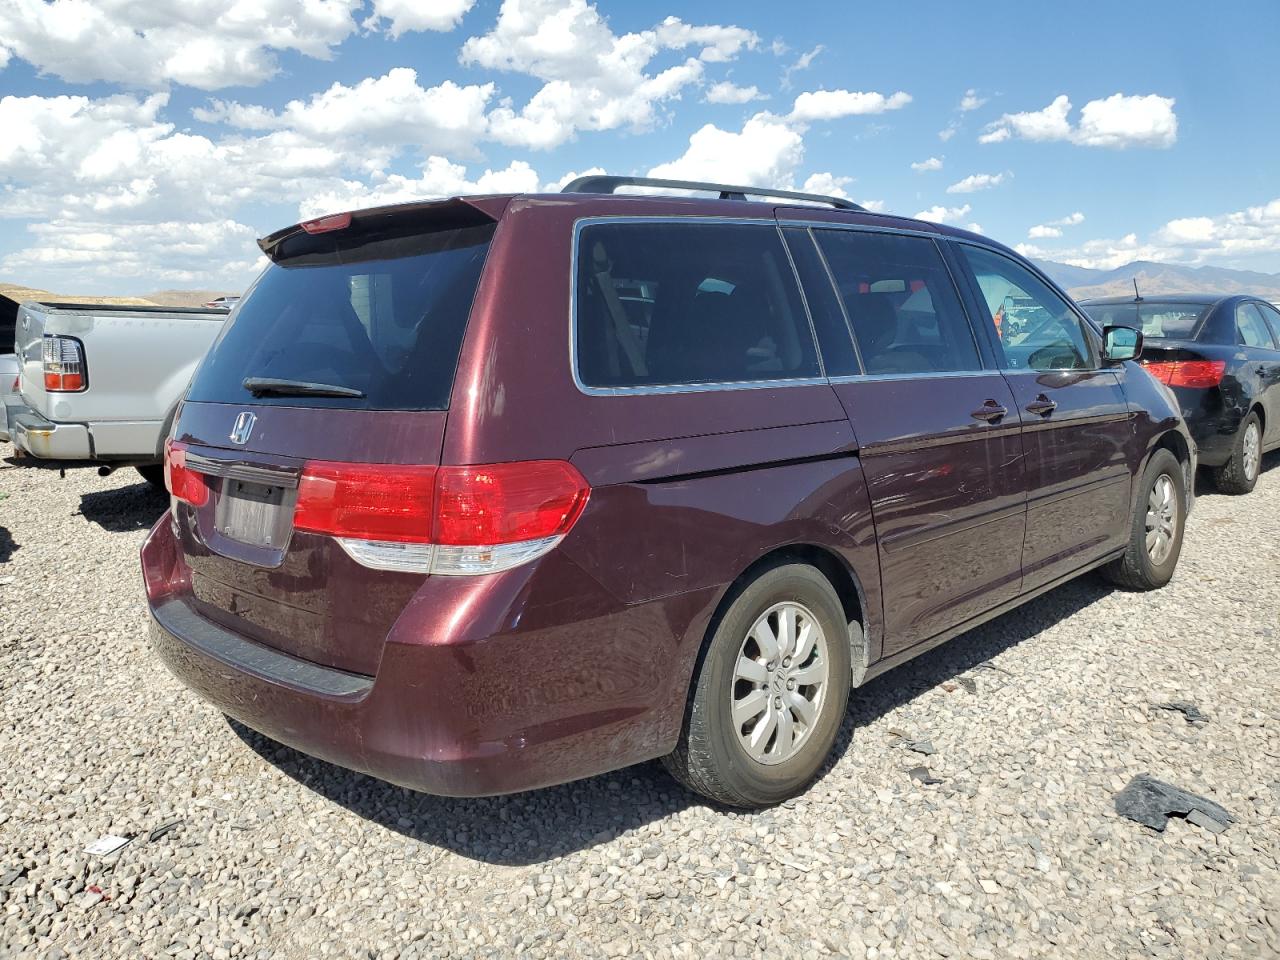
pixel 724 748
pixel 1160 509
pixel 153 474
pixel 1240 474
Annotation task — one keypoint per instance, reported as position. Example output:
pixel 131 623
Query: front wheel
pixel 1155 534
pixel 771 692
pixel 1240 473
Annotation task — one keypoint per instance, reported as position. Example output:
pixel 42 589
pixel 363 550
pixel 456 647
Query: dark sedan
pixel 1221 357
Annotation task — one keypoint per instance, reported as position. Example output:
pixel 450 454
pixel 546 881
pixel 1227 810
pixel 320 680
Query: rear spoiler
pixel 467 211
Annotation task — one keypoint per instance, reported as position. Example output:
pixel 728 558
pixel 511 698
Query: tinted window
pixel 1272 316
pixel 834 338
pixel 1253 329
pixel 383 315
pixel 901 302
pixel 688 303
pixel 1173 321
pixel 1036 328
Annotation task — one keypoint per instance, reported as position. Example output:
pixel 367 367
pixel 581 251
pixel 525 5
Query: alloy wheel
pixel 779 682
pixel 1162 519
pixel 1252 450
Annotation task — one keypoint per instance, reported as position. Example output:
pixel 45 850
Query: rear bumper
pixel 1212 422
pixel 40 437
pixel 454 716
pixel 37 436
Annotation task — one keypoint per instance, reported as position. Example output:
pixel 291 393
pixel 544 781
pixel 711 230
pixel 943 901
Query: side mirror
pixel 1121 343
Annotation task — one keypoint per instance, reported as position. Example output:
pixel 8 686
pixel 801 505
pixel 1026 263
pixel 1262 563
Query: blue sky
pixel 148 147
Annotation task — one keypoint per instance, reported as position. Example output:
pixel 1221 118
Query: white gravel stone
pixel 1036 720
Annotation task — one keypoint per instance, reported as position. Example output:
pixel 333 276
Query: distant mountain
pixel 1160 278
pixel 185 298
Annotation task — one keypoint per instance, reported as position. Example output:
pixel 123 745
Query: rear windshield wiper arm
pixel 274 387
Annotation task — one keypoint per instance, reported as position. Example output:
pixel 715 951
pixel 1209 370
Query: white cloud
pixel 977 181
pixel 971 101
pixel 1238 238
pixel 390 111
pixel 827 184
pixel 593 79
pixel 439 178
pixel 555 186
pixel 925 166
pixel 1043 231
pixel 767 151
pixel 832 104
pixel 1053 228
pixel 1118 121
pixel 80 255
pixel 728 92
pixel 872 206
pixel 200 43
pixel 949 131
pixel 803 62
pixel 405 16
pixel 973 227
pixel 941 214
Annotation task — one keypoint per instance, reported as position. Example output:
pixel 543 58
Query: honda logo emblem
pixel 244 426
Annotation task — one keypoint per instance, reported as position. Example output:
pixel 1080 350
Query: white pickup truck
pixel 100 384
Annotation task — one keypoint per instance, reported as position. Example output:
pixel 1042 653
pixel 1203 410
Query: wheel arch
pixel 838 572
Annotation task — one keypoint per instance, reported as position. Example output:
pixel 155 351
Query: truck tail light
pixel 63 362
pixel 444 520
pixel 1188 373
pixel 183 483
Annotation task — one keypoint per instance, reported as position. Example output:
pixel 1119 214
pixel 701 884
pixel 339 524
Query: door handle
pixel 1042 405
pixel 990 411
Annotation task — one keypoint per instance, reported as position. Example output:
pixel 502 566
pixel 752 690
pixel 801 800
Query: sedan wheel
pixel 1251 449
pixel 1162 519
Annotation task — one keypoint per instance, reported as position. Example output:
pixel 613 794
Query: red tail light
pixel 63 363
pixel 445 520
pixel 185 484
pixel 1188 373
pixel 366 501
pixel 507 502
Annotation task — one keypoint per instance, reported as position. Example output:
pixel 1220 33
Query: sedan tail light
pixel 1188 373
pixel 63 362
pixel 443 520
pixel 184 483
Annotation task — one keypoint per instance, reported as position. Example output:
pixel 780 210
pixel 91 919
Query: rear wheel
pixel 1155 534
pixel 153 474
pixel 770 695
pixel 1240 473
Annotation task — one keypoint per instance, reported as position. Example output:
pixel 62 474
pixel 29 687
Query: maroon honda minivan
pixel 486 494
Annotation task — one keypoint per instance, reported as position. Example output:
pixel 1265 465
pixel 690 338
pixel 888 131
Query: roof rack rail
pixel 608 184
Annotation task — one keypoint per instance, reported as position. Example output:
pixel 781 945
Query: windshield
pixel 380 321
pixel 1174 321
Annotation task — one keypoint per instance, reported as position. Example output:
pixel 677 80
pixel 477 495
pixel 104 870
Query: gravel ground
pixel 1036 721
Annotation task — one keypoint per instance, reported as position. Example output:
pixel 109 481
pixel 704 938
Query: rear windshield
pixel 382 315
pixel 1174 321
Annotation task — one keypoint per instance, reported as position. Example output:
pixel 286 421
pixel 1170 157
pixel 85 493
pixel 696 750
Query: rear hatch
pixel 345 351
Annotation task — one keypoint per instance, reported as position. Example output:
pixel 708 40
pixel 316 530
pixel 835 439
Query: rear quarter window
pixel 674 303
pixel 383 315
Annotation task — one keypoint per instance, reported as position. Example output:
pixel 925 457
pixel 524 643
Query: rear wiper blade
pixel 274 387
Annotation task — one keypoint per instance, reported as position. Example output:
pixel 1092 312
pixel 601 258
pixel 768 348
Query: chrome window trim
pixel 642 390
pixel 930 375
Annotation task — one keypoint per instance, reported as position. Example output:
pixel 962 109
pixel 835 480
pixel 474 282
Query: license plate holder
pixel 254 513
